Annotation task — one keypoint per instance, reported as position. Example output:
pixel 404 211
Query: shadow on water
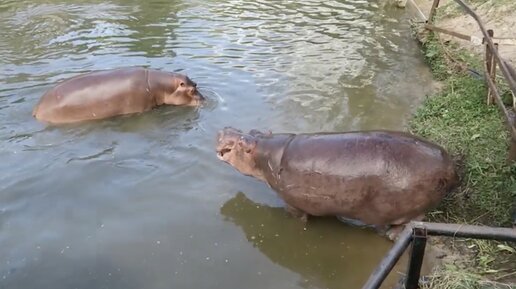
pixel 320 251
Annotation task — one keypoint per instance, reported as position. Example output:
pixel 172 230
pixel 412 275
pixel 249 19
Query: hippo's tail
pixel 455 173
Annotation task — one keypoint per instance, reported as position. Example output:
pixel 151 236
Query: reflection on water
pixel 324 252
pixel 135 201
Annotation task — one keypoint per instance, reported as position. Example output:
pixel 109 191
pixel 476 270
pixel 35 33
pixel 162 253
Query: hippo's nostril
pixel 224 151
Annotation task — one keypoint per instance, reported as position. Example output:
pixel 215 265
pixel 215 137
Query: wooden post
pixel 512 72
pixel 489 60
pixel 432 12
pixel 512 150
pixel 492 74
pixel 513 102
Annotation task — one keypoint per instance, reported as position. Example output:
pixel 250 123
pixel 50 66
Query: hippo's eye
pixel 182 84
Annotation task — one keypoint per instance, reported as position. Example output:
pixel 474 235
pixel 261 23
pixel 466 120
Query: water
pixel 142 201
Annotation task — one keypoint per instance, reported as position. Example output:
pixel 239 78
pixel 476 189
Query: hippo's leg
pixel 297 213
pixel 395 229
pixel 358 223
pixel 380 229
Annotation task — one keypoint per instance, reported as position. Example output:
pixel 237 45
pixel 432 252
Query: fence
pixel 492 59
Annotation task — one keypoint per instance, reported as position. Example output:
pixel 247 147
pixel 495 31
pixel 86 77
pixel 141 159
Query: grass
pixel 451 277
pixel 459 119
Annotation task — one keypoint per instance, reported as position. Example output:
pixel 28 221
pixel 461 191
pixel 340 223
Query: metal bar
pixel 417 253
pixel 468 231
pixel 388 262
pixel 449 32
pixel 435 229
pixel 435 4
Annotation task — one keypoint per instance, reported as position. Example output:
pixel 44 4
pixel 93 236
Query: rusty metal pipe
pixel 417 254
pixel 388 262
pixel 436 229
pixel 468 231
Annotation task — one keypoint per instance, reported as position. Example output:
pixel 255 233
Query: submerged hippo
pixel 108 93
pixel 378 178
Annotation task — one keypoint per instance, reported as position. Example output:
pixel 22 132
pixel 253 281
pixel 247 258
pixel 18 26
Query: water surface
pixel 142 201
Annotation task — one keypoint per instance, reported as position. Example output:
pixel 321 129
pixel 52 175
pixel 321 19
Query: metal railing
pixel 416 233
pixel 491 61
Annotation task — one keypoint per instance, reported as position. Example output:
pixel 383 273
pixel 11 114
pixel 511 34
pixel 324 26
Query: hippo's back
pixel 94 95
pixel 371 176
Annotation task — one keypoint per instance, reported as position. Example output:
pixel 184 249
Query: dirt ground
pixel 499 15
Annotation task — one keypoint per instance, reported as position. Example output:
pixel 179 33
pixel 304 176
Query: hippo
pixel 380 178
pixel 107 93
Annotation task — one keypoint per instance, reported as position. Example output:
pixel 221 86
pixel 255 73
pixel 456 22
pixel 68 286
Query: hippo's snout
pixel 227 138
pixel 220 145
pixel 237 149
pixel 199 97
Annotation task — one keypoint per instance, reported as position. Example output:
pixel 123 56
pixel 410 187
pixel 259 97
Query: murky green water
pixel 142 201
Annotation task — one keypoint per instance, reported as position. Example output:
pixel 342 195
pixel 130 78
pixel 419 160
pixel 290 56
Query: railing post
pixel 432 12
pixel 492 72
pixel 490 66
pixel 512 150
pixel 514 102
pixel 388 262
pixel 417 253
pixel 512 73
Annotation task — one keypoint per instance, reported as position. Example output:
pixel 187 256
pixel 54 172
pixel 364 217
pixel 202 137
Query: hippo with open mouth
pixel 379 178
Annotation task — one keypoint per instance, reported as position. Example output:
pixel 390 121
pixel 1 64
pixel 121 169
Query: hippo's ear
pixel 255 132
pixel 247 143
